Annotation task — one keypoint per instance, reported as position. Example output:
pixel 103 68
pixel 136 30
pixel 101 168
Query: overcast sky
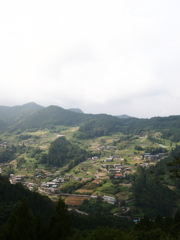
pixel 115 57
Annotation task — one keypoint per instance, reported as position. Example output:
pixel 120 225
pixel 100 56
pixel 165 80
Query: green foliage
pixel 24 136
pixel 153 198
pixel 155 150
pixel 72 186
pixel 7 154
pixel 20 224
pixel 138 148
pixel 104 125
pixel 25 223
pixel 62 151
pixel 60 224
pixel 96 206
pixel 11 194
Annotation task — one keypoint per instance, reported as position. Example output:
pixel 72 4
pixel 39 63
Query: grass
pixel 130 204
pixel 114 210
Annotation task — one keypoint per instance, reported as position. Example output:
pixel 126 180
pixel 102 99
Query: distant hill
pixel 124 116
pixel 16 113
pixel 33 116
pixel 54 115
pixel 11 115
pixel 77 110
pixel 50 116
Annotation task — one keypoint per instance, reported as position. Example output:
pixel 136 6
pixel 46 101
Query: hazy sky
pixel 115 57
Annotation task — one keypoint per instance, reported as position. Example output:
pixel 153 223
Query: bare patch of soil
pixel 75 201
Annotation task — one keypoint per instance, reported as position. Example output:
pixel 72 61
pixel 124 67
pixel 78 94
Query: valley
pixel 105 177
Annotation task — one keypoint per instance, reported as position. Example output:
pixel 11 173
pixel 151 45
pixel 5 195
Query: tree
pixel 20 225
pixel 60 224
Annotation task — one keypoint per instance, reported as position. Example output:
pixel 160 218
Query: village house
pixel 18 178
pixel 49 185
pixel 110 159
pixel 151 157
pixel 43 184
pixel 144 164
pixel 94 196
pixel 114 170
pixel 118 175
pixel 58 180
pixel 111 200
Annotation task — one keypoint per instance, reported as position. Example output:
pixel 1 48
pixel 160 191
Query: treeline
pixel 98 127
pixel 169 127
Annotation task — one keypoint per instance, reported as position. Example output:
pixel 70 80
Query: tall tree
pixel 20 225
pixel 60 224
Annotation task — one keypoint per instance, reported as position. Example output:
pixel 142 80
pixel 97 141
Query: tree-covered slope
pixel 10 115
pixel 11 195
pixel 33 116
pixel 62 151
pixel 53 116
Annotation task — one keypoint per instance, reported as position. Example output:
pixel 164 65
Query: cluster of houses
pixel 54 183
pixel 4 144
pixel 20 178
pixel 118 169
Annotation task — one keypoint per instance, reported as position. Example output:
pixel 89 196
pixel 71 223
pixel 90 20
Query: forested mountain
pixel 53 116
pixel 77 110
pixel 123 116
pixel 32 116
pixel 11 115
pixel 169 127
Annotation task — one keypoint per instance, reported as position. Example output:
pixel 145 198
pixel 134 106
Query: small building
pixel 118 175
pixel 58 180
pixel 114 170
pixel 52 184
pixel 110 159
pixel 18 178
pixel 151 157
pixel 111 200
